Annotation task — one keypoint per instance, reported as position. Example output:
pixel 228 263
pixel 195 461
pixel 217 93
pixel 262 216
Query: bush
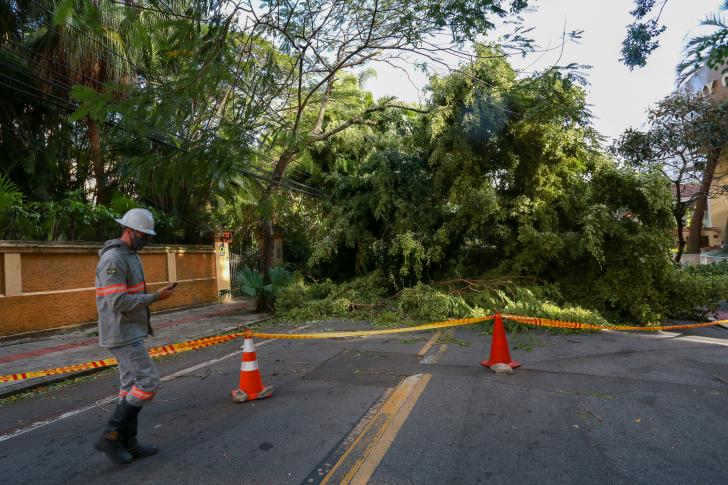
pixel 73 219
pixel 698 290
pixel 713 269
pixel 251 282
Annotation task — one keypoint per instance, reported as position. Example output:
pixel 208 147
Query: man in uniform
pixel 123 305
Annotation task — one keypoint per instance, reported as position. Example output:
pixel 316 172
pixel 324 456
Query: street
pixel 589 408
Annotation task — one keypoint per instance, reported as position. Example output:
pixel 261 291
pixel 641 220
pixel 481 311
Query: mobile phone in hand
pixel 174 285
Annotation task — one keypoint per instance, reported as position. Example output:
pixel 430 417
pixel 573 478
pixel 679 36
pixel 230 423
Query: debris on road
pixel 600 419
pixel 579 393
pixel 207 374
pixel 501 369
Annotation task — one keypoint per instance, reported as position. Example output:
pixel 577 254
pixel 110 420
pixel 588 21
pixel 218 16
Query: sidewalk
pixel 29 355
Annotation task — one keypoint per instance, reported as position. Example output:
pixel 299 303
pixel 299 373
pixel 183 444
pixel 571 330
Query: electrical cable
pixel 101 83
pixel 162 142
pixel 35 95
pixel 56 63
pixel 28 73
pixel 274 182
pixel 108 61
pixel 73 107
pixel 22 137
pixel 17 134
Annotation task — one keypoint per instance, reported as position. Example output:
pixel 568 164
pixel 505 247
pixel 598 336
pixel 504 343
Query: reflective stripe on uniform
pixel 136 392
pixel 107 290
pixel 137 288
pixel 249 366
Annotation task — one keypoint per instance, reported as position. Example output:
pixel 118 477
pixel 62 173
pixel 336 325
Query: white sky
pixel 618 97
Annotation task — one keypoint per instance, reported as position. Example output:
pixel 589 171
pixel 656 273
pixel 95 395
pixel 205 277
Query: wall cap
pixel 8 246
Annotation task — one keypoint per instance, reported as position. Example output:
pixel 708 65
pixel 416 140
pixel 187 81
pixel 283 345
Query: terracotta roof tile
pixel 686 190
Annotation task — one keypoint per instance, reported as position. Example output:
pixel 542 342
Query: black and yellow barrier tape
pixel 206 342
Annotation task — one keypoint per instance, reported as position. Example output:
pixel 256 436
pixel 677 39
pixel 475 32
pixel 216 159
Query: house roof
pixel 686 190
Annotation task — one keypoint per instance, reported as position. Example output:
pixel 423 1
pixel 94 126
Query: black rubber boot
pixel 112 437
pixel 131 444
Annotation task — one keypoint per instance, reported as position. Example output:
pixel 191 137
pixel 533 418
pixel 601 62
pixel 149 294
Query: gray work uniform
pixel 123 305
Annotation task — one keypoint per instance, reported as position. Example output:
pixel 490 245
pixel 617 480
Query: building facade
pixel 713 84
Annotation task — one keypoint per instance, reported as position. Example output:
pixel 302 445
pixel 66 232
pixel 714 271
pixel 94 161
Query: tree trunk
pixel 327 95
pixel 679 219
pixel 268 246
pixel 701 202
pixel 680 242
pixel 102 196
pixel 268 243
pixel 679 212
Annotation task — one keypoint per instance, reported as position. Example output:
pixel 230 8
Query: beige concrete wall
pixel 714 84
pixel 50 285
pixel 715 235
pixel 709 82
pixel 718 207
pixel 193 266
pixel 49 272
pixel 222 263
pixel 277 247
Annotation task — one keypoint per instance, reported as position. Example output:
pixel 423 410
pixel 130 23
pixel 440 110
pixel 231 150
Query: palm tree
pixel 97 44
pixel 708 49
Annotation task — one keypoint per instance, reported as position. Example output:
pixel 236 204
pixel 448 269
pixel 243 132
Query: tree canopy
pixel 255 116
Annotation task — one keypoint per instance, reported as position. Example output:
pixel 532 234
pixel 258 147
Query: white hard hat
pixel 140 220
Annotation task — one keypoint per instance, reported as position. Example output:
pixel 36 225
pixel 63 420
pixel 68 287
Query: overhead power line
pixel 94 41
pixel 70 106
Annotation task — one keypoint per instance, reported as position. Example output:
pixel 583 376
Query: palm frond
pixel 9 193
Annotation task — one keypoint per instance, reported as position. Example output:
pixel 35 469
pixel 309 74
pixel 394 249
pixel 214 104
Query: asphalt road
pixel 589 408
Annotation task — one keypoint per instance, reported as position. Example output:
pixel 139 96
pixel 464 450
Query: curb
pixel 30 384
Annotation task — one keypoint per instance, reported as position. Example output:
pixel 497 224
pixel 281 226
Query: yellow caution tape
pixel 156 352
pixel 206 342
pixel 60 370
pixel 449 323
pixel 545 322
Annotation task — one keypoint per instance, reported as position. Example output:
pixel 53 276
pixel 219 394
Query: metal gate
pixel 236 264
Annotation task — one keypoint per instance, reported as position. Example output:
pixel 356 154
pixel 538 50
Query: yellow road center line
pixel 371 462
pixel 429 344
pixel 448 336
pixel 350 462
pixel 439 353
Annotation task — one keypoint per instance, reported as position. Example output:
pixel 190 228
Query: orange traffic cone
pixel 251 385
pixel 499 353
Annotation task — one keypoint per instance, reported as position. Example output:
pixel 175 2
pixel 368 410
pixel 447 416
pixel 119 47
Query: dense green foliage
pixel 252 284
pixel 505 178
pixel 493 195
pixel 641 39
pixel 74 218
pixel 117 62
